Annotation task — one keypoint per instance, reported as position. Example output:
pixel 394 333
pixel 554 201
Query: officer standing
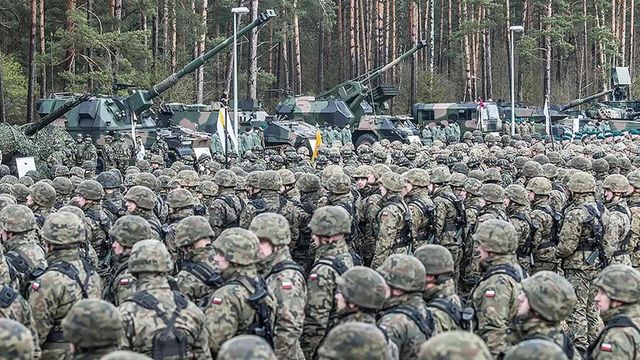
pixel 615 188
pixel 226 207
pixel 545 240
pixel 421 207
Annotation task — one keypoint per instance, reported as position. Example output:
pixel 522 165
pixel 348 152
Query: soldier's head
pixel 615 186
pixel 272 231
pixel 547 296
pixel 438 264
pixel 193 232
pixel 415 179
pixel 92 324
pixel 495 237
pixel 16 341
pixel 89 192
pixel 617 285
pixel 236 247
pixel 42 195
pixel 455 345
pixel 533 349
pixel 180 201
pixel 14 220
pixel 79 138
pixel 581 183
pixel 360 289
pixel 329 224
pixel 390 184
pixel 516 195
pixel 150 256
pixel 139 198
pixel 63 230
pixel 356 341
pixel 403 274
pixel 246 347
pixel 491 194
pixel 127 231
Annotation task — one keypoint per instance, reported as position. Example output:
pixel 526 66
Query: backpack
pixel 452 309
pixel 169 342
pixel 229 201
pixel 7 296
pixel 203 272
pixel 70 271
pixel 286 265
pixel 424 323
pixel 261 325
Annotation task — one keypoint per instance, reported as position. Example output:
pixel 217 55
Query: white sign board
pixel 25 164
pixel 201 150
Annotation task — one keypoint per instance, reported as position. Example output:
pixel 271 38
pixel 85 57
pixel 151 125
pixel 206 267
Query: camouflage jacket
pixel 393 232
pixel 289 288
pixel 270 201
pixel 422 211
pixel 401 329
pixel 99 225
pixel 121 284
pixel 620 338
pixel 52 295
pixel 535 328
pixel 156 228
pixel 521 220
pixel 169 229
pixel 619 229
pixel 25 255
pixel 18 309
pixel 141 324
pixel 113 205
pixel 444 227
pixel 320 308
pixel 228 313
pixel 225 210
pixel 191 284
pixel 439 300
pixel 634 239
pixel 544 246
pixel 495 301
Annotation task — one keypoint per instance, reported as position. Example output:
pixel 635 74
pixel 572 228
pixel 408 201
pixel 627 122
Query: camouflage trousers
pixel 548 266
pixel 584 321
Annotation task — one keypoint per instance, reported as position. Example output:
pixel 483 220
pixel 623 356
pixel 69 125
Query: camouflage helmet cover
pixel 271 227
pixel 43 194
pixel 634 178
pixel 17 219
pixel 287 177
pixel 150 256
pixel 354 340
pixel 308 183
pixel 440 175
pixel 338 184
pixel 550 295
pixel 517 194
pixel 63 228
pixel 130 229
pixel 403 272
pixel 180 198
pixel 225 178
pixel 63 186
pixel 534 349
pixel 253 179
pixel 238 246
pixel 540 186
pixel 455 345
pixel 436 259
pixel 142 196
pixel 392 182
pixel 246 347
pixel 363 286
pixel 492 193
pixel 616 183
pixel 582 182
pixel 90 190
pixel 417 177
pixel 79 325
pixel 191 229
pixel 207 188
pixel 270 180
pixel 330 221
pixel 497 236
pixel 16 341
pixel 620 282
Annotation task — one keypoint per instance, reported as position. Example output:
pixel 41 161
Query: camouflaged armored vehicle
pixel 355 104
pixel 276 133
pixel 469 115
pixel 102 114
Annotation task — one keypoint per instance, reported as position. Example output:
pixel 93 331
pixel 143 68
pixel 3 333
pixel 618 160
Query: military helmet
pixel 440 175
pixel 330 220
pixel 150 256
pixel 541 158
pixel 476 174
pixel 157 159
pixel 26 181
pixel 77 171
pixel 457 180
pixel 147 179
pixel 62 228
pixel 270 180
pixel 143 165
pixel 9 179
pixel 540 186
pixel 92 324
pixel 191 229
pixel 620 283
pixel 473 186
pixel 245 347
pixel 616 183
pixel 308 183
pixel 550 295
pixel 436 259
pixel 62 186
pixel 634 178
pixel 392 182
pixel 303 151
pixel 492 175
pixel 130 229
pixel 550 171
pixel 497 236
pixel 379 170
pixel 188 178
pixel 582 182
pixel 354 340
pixel 253 179
pixel 43 194
pixel 271 227
pixel 238 246
pixel 338 184
pixel 417 177
pixel 403 272
pixel 61 170
pixel 455 345
pixel 580 163
pixel 16 341
pixel 21 192
pixel 180 198
pixel 6 200
pixel 534 349
pixel 225 178
pixel 241 184
pixel 287 177
pixel 362 286
pixel 517 194
pixel 492 193
pixel 600 165
pixel 142 196
pixel 531 169
pixel 90 190
pixel 207 188
pixel 17 219
pixel 362 171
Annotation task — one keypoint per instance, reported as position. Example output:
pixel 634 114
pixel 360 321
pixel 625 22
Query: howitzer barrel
pixel 579 102
pixel 52 116
pixel 165 84
pixel 379 71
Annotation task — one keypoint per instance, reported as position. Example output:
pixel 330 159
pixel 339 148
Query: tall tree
pixel 32 60
pixel 296 50
pixel 253 56
pixel 3 113
pixel 202 36
pixel 43 66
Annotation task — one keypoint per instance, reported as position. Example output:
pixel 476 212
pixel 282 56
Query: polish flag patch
pixel 216 301
pixel 313 277
pixel 606 347
pixel 490 294
pixel 124 281
pixel 35 286
pixel 287 285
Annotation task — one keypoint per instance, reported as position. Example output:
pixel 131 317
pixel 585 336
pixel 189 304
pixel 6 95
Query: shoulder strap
pixel 335 263
pixel 567 343
pixel 229 201
pixel 504 270
pixel 424 323
pixel 71 272
pixel 445 304
pixel 285 265
pixel 7 296
pixel 19 260
pixel 422 205
pixel 619 321
pixel 199 269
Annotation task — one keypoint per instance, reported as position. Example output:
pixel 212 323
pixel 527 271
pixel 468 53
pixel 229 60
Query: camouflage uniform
pixel 13 306
pixel 577 243
pixel 160 147
pixel 518 212
pixel 286 281
pixel 455 345
pixel 122 152
pixel 405 318
pixel 67 280
pixel 545 240
pixel 99 223
pixel 619 226
pixel 146 314
pixel 113 202
pixel 420 206
pixel 16 342
pixel 94 327
pixel 551 298
pixel 620 338
pixel 494 298
pixel 40 200
pixel 246 347
pixel 193 236
pixel 634 207
pixel 181 205
pixel 303 251
pixel 226 207
pixel 229 313
pixel 536 349
pixel 145 201
pixel 333 259
pixel 126 231
pixel 354 340
pixel 108 153
pixel 89 151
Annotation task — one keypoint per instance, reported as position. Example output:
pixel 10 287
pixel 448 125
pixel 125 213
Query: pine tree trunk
pixel 413 31
pixel 353 66
pixel 154 41
pixel 3 113
pixel 340 28
pixel 70 52
pixel 547 55
pixel 165 28
pixel 449 34
pixel 253 55
pixel 365 49
pixel 462 10
pixel 173 35
pixel 623 35
pixel 43 66
pixel 89 50
pixel 296 50
pixel 201 48
pixel 394 39
pixel 320 74
pixel 379 33
pixel 632 31
pixel 32 61
pixel 285 63
pixel 507 10
pixel 432 37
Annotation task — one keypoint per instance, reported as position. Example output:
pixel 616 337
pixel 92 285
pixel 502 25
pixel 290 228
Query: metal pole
pixel 235 77
pixel 513 91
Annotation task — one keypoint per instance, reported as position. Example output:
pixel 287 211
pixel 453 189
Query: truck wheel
pixel 366 139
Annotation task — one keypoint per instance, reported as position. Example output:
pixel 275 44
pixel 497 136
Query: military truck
pixel 470 116
pixel 132 115
pixel 354 103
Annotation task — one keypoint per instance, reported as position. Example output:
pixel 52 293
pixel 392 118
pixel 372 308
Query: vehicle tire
pixel 366 139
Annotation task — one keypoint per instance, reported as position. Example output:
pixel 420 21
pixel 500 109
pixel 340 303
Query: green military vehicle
pixel 102 114
pixel 355 104
pixel 483 116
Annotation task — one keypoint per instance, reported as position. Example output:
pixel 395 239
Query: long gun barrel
pixel 142 100
pixel 579 102
pixel 374 74
pixel 52 116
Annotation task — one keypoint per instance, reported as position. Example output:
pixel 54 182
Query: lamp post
pixel 512 30
pixel 237 11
